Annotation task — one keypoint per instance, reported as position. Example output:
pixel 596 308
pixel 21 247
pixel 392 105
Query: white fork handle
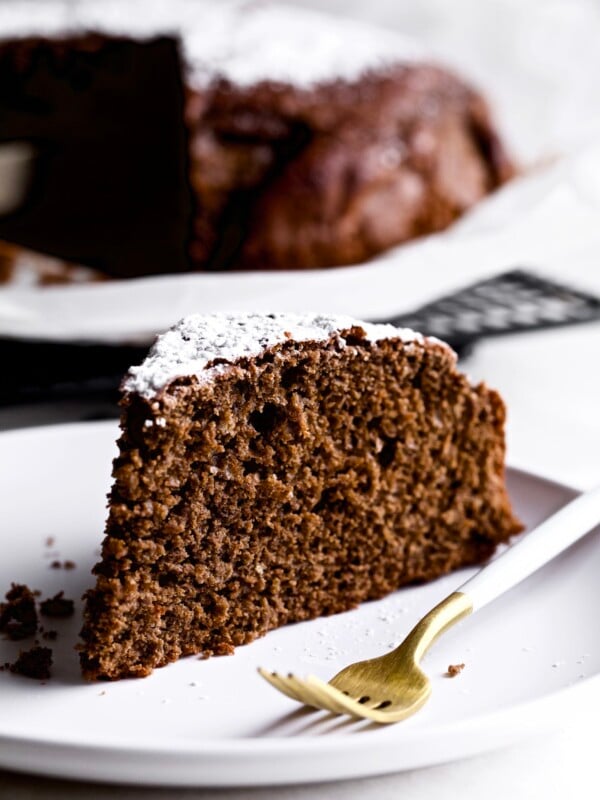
pixel 535 549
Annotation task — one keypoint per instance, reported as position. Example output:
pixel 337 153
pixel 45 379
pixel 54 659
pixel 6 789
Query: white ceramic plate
pixel 507 230
pixel 528 656
pixel 135 310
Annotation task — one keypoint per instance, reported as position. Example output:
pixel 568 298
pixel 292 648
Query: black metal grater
pixel 508 303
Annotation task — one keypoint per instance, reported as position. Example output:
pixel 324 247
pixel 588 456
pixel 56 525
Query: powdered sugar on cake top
pixel 197 340
pixel 241 41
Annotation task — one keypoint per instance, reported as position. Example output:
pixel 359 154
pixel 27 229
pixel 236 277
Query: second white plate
pixel 528 656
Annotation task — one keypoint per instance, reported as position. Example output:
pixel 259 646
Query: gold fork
pixel 393 686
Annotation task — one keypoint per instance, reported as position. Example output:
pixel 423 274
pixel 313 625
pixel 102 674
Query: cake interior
pixel 293 485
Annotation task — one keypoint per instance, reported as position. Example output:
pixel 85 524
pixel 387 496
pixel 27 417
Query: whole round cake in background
pixel 232 136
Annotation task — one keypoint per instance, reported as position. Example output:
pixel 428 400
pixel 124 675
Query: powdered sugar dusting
pixel 32 18
pixel 188 347
pixel 245 42
pixel 291 45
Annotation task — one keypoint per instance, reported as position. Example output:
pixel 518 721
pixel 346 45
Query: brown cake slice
pixel 275 468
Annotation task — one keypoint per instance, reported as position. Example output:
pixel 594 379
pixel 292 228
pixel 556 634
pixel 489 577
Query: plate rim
pixel 200 764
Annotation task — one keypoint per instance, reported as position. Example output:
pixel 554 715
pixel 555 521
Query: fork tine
pixel 330 697
pixel 346 703
pixel 280 683
pixel 321 695
pixel 308 695
pixel 294 688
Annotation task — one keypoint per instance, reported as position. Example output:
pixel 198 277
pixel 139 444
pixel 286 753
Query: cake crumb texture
pixel 57 606
pixel 18 615
pixel 454 670
pixel 34 663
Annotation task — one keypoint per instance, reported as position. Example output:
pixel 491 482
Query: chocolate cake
pixel 275 468
pixel 34 663
pixel 18 615
pixel 58 606
pixel 232 136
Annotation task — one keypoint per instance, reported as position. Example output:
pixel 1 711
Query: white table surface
pixel 551 383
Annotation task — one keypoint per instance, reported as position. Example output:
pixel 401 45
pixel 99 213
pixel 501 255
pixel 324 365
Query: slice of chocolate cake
pixel 275 468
